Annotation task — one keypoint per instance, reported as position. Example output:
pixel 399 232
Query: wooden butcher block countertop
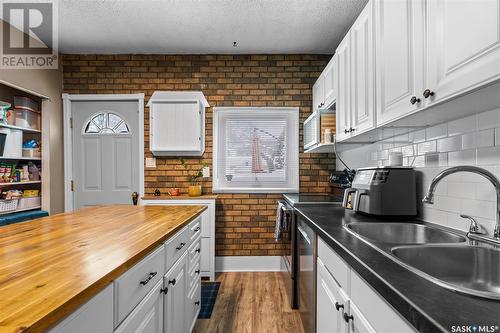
pixel 50 266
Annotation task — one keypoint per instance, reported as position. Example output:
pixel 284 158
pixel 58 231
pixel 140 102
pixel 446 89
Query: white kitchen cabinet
pixel 94 316
pixel 207 229
pixel 362 72
pixel 343 116
pixel 318 93
pixel 177 123
pixel 147 317
pixel 363 311
pixel 399 40
pixel 175 282
pixel 329 83
pixel 463 46
pixel 330 303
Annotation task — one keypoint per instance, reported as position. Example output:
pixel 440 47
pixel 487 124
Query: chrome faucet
pixel 429 197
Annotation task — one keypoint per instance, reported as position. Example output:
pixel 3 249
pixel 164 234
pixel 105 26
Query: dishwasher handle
pixel 304 235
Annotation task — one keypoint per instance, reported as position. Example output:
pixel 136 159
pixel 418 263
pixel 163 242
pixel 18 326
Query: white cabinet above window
pixel 177 123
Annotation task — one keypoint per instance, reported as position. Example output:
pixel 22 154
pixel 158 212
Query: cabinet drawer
pixel 134 284
pixel 175 247
pixel 194 253
pixel 334 264
pixel 195 229
pixel 376 311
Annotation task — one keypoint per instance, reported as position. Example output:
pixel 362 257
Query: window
pixel 106 123
pixel 256 150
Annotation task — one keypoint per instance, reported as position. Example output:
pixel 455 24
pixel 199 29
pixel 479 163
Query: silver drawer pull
pixel 150 276
pixel 180 246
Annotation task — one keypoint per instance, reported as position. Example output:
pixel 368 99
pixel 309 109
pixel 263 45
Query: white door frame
pixel 68 141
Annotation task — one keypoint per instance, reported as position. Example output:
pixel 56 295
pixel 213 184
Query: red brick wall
pixel 245 222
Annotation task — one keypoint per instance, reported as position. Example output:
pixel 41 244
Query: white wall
pixel 474 140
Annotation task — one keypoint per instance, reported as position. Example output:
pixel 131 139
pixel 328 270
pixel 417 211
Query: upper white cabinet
pixel 324 94
pixel 177 123
pixel 343 89
pixel 362 72
pixel 318 94
pixel 463 46
pixel 399 58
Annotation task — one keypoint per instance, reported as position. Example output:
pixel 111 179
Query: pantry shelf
pixel 20 210
pixel 20 183
pixel 24 129
pixel 20 158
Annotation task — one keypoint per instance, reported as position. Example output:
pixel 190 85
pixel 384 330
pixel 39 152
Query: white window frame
pixel 292 152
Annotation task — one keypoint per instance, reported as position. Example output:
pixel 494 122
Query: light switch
pixel 206 172
pixel 150 162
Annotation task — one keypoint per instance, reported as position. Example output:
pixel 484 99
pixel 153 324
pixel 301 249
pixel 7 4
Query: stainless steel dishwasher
pixel 306 242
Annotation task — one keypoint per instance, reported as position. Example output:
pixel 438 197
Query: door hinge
pixel 71 122
pixel 72 186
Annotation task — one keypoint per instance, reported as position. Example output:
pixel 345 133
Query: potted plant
pixel 194 189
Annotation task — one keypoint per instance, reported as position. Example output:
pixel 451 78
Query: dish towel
pixel 279 221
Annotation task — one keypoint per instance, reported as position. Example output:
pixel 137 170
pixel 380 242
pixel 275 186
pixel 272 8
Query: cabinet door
pixel 399 31
pixel 175 298
pixel 329 303
pixel 358 324
pixel 318 94
pixel 463 46
pixel 329 82
pixel 344 91
pixel 147 317
pixel 363 72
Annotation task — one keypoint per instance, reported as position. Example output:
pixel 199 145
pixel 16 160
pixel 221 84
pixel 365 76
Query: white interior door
pixel 105 152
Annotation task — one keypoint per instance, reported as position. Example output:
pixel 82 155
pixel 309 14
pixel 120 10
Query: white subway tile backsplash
pixel 426 147
pixel 473 140
pixel 488 156
pixel 463 157
pixel 453 143
pixel 463 125
pixel 436 132
pixel 485 138
pixel 489 119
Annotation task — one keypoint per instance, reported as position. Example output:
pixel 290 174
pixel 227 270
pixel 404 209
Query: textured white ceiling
pixel 204 26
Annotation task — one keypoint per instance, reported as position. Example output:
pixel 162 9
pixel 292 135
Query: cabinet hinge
pixel 72 186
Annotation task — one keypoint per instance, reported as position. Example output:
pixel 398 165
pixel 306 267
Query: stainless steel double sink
pixel 441 256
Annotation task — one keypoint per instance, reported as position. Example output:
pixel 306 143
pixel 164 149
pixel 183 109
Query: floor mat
pixel 209 292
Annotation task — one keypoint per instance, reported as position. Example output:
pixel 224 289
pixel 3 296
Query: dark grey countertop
pixel 427 306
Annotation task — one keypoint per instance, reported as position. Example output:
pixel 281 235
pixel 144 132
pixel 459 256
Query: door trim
pixel 68 147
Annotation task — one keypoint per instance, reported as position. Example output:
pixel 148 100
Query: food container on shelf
pixel 26 103
pixel 26 203
pixel 8 205
pixel 32 152
pixel 13 142
pixel 26 118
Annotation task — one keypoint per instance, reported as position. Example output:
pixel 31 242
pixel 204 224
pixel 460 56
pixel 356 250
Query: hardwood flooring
pixel 252 302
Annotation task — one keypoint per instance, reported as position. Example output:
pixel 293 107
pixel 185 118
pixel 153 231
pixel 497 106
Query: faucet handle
pixel 474 226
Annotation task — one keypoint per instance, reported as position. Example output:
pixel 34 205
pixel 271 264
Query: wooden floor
pixel 251 302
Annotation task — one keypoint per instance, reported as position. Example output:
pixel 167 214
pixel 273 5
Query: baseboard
pixel 248 264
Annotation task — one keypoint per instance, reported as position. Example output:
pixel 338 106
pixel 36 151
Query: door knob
pixel 414 100
pixel 428 93
pixel 135 197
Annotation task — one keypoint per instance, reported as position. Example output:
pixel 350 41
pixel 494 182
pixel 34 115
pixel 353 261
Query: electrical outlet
pixel 150 162
pixel 206 172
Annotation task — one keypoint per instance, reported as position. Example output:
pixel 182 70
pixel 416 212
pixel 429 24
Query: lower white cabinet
pixel 147 317
pixel 94 316
pixel 207 229
pixel 175 282
pixel 347 304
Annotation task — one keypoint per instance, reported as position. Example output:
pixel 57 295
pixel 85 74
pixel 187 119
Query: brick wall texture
pixel 244 222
